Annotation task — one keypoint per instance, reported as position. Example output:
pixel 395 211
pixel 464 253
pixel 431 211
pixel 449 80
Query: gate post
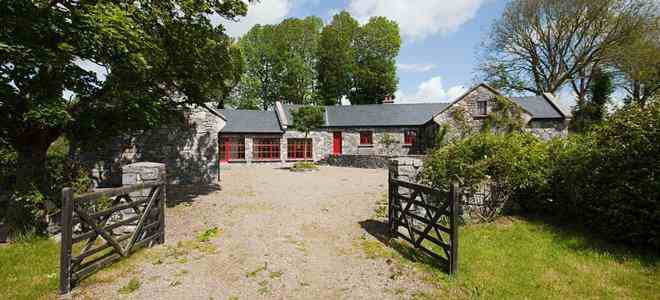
pixel 454 197
pixel 66 239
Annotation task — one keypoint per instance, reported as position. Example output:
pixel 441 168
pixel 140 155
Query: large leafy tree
pixel 377 46
pixel 280 63
pixel 260 84
pixel 297 42
pixel 540 46
pixel 337 58
pixel 592 110
pixel 637 63
pixel 157 57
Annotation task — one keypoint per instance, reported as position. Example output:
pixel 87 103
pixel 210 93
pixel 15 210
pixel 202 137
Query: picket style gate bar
pixel 139 216
pixel 428 216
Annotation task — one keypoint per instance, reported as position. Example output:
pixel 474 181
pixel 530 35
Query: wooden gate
pixel 87 217
pixel 427 216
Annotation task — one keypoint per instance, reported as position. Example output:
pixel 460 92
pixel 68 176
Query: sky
pixel 440 38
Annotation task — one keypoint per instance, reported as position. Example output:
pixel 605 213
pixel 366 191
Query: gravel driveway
pixel 281 235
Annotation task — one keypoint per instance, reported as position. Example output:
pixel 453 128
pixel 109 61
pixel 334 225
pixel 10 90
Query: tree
pixel 308 118
pixel 280 62
pixel 377 46
pixel 541 45
pixel 637 64
pixel 263 68
pixel 336 58
pixel 158 56
pixel 296 44
pixel 592 110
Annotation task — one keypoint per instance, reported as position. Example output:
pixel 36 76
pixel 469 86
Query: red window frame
pixel 409 137
pixel 266 149
pixel 299 148
pixel 232 148
pixel 366 138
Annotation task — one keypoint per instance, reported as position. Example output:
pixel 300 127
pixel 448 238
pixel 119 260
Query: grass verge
pixel 29 269
pixel 526 259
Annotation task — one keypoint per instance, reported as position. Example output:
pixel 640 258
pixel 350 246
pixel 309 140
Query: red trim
pixel 366 138
pixel 409 137
pixel 336 143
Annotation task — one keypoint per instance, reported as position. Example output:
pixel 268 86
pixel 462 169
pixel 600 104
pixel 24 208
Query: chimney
pixel 388 100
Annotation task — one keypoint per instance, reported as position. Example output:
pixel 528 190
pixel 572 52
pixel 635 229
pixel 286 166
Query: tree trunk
pixel 32 149
pixel 31 167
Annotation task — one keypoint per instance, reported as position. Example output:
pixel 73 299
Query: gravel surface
pixel 281 235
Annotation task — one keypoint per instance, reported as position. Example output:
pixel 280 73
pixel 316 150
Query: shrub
pixel 26 210
pixel 514 162
pixel 609 177
pixel 606 178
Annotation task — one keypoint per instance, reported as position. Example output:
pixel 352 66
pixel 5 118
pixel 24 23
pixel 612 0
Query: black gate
pixel 421 215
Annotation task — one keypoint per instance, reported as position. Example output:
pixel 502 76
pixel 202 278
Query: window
pixel 299 148
pixel 266 149
pixel 366 138
pixel 409 137
pixel 482 108
pixel 232 148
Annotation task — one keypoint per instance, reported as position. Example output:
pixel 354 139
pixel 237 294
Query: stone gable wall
pixel 544 129
pixel 190 151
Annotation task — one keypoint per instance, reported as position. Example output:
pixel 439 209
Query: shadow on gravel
pixel 380 231
pixel 184 193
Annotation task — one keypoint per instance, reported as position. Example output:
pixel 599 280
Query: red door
pixel 336 143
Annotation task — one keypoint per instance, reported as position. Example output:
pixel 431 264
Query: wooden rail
pixel 427 215
pixel 87 217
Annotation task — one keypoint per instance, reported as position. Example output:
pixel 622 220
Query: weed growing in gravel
pixel 256 271
pixel 264 289
pixel 381 206
pixel 207 234
pixel 275 275
pixel 131 286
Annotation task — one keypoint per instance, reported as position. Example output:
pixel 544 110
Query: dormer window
pixel 482 108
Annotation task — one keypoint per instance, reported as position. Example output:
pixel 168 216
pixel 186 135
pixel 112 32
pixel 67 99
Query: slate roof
pixel 250 121
pixel 538 106
pixel 376 115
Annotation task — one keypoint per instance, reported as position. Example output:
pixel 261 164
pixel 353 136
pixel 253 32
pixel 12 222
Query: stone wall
pixel 547 129
pixel 544 129
pixel 406 168
pixel 351 141
pixel 189 150
pixel 358 161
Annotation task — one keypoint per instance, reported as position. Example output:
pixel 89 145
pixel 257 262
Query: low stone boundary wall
pixel 358 161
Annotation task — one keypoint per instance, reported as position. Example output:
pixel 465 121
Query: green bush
pixel 26 210
pixel 609 177
pixel 514 161
pixel 606 178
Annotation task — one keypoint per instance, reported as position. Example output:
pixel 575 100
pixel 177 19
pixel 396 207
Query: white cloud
pixel 263 12
pixel 415 67
pixel 418 18
pixel 431 90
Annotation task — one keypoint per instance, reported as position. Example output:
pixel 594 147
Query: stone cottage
pixel 194 151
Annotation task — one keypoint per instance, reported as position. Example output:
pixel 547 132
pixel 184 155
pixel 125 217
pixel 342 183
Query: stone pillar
pixel 139 173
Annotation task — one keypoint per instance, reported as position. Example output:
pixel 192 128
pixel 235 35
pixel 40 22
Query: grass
pixel 304 166
pixel 206 235
pixel 528 259
pixel 29 269
pixel 132 286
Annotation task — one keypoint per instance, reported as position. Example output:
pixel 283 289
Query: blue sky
pixel 440 37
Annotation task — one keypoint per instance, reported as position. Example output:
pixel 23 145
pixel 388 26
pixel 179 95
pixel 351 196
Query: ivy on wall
pixel 506 116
